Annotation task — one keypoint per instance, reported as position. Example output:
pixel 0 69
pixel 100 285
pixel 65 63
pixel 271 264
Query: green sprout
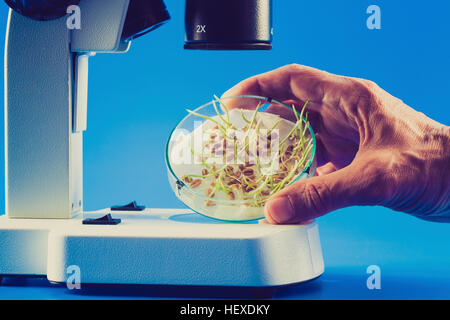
pixel 246 180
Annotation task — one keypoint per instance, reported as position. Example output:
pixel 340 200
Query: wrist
pixel 437 155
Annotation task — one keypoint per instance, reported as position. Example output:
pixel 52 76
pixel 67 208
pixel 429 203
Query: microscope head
pixel 210 24
pixel 142 16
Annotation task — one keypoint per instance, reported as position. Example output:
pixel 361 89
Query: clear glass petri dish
pixel 237 210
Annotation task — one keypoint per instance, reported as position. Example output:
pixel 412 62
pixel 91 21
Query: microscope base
pixel 160 247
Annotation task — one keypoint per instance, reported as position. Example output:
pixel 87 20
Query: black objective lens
pixel 144 16
pixel 228 24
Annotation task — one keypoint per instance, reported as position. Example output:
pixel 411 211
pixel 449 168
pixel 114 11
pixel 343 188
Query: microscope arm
pixel 46 71
pixel 101 32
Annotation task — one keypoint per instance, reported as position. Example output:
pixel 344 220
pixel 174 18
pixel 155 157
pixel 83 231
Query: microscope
pixel 46 232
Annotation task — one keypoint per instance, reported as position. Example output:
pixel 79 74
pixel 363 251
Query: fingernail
pixel 280 209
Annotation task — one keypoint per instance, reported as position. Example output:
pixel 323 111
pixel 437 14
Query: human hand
pixel 372 149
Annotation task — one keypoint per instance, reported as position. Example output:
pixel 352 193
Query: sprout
pixel 252 181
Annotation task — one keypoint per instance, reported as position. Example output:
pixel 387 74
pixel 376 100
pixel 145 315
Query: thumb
pixel 304 200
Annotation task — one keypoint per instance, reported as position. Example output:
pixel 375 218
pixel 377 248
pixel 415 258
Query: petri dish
pixel 243 120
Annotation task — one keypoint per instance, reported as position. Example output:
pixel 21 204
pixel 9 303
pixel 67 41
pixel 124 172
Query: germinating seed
pixel 234 170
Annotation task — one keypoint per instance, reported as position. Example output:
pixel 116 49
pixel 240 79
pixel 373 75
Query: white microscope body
pixel 46 68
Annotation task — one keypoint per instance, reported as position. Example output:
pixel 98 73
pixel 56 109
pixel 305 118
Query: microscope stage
pixel 161 247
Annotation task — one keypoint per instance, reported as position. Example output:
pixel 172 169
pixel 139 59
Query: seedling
pixel 237 172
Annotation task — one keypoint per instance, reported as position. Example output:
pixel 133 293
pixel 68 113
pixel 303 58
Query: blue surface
pixel 135 99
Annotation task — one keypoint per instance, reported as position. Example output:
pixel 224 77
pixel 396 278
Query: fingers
pixel 282 111
pixel 292 82
pixel 308 199
pixel 274 84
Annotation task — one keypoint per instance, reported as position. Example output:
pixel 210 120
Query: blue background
pixel 135 99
